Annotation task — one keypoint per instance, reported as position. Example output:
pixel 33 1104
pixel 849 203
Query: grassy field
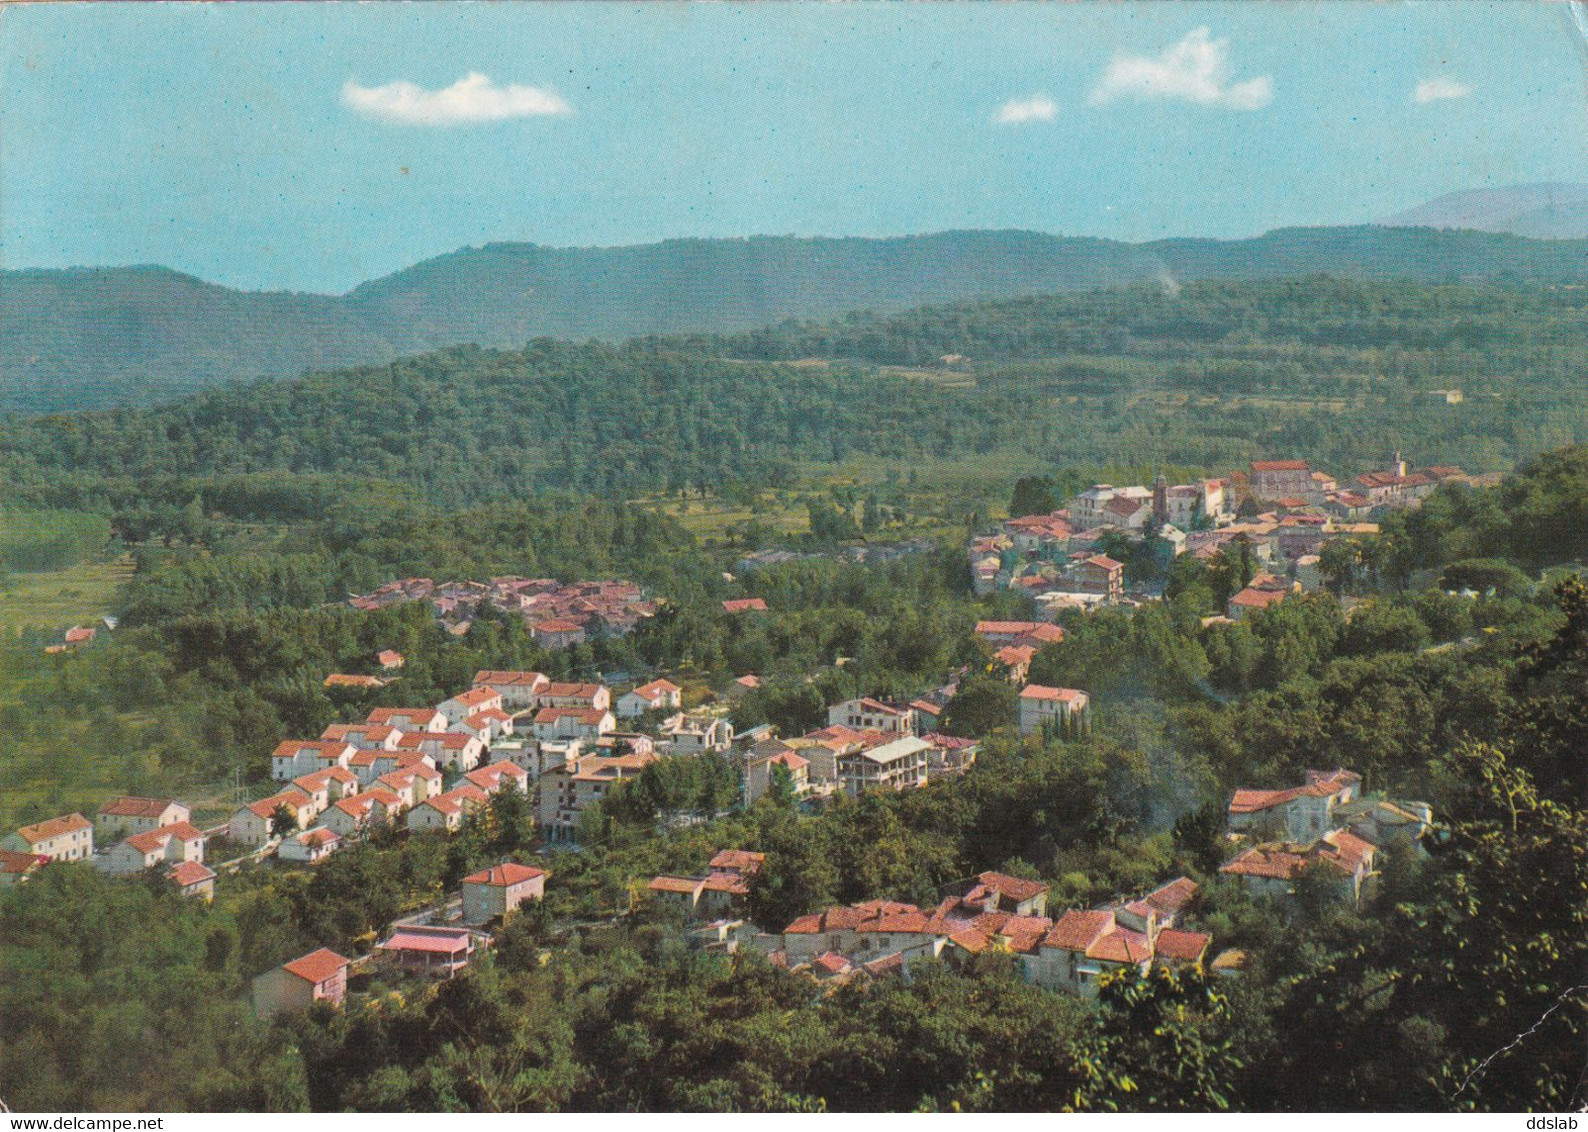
pixel 62 598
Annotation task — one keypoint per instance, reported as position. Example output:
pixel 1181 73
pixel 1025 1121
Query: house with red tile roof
pixel 658 695
pixel 999 892
pixel 295 757
pixel 498 776
pixel 561 695
pixel 445 812
pixel 193 879
pixel 169 844
pixel 1299 813
pixel 558 633
pixel 517 688
pixel 126 815
pixel 66 838
pixel 253 824
pixel 744 605
pixel 354 815
pixel 320 976
pixel 15 868
pixel 949 754
pixel 409 719
pixel 464 704
pixel 1273 869
pixel 495 893
pixel 446 749
pixel 438 952
pixel 311 846
pixel 868 714
pixel 1044 707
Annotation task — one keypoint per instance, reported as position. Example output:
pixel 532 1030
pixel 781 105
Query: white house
pixel 295 757
pixel 66 838
pixel 867 714
pixel 121 817
pixel 311 846
pixel 517 689
pixel 465 704
pixel 899 765
pixel 445 812
pixel 658 695
pixel 597 696
pixel 446 749
pixel 585 724
pixel 696 734
pixel 251 824
pixel 1041 706
pixel 169 844
pixel 409 719
pixel 1299 813
pixel 492 894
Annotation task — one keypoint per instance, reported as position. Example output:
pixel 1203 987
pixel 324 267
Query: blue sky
pixel 313 146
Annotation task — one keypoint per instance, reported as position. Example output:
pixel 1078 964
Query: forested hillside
pixel 131 336
pixel 1212 376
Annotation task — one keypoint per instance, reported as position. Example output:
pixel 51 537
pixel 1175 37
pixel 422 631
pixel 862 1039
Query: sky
pixel 311 147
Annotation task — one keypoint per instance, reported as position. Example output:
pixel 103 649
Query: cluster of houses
pixel 1322 827
pixel 991 911
pixel 557 614
pixel 1284 509
pixel 439 951
pixel 141 833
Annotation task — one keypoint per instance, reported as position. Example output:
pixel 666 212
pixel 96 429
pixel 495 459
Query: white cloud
pixel 1432 90
pixel 474 98
pixel 1194 70
pixel 1037 108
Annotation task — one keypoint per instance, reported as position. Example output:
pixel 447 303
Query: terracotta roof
pixel 745 605
pixel 294 799
pixel 571 691
pixel 1005 628
pixel 1279 465
pixel 1121 946
pixel 189 873
pixel 318 836
pixel 1077 931
pixel 317 966
pixel 741 860
pixel 155 839
pixel 134 807
pixel 418 717
pixel 1104 562
pixel 435 944
pixel 45 830
pixel 505 875
pixel 1043 692
pixel 1258 599
pixel 1015 888
pixel 475 696
pixel 676 884
pixel 1181 946
pixel 1174 897
pixel 494 677
pixel 830 963
pixel 656 688
pixel 16 863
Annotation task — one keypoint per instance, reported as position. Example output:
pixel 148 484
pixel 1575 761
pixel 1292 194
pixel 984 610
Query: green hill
pixel 86 338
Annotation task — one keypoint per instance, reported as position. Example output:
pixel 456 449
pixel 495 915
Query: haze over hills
pixel 97 338
pixel 1550 211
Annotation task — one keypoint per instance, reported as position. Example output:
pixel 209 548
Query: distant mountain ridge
pixel 1548 211
pixel 97 338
